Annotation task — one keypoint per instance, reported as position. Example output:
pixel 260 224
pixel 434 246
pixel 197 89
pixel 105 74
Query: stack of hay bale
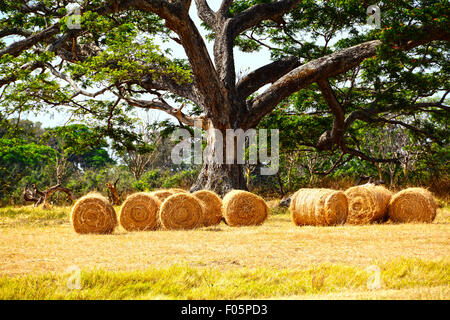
pixel 359 205
pixel 205 208
pixel 176 209
pixel 172 209
pixel 368 204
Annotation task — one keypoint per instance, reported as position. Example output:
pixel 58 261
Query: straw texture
pixel 182 211
pixel 178 190
pixel 139 212
pixel 412 205
pixel 242 208
pixel 318 207
pixel 213 207
pixel 162 194
pixel 367 204
pixel 93 214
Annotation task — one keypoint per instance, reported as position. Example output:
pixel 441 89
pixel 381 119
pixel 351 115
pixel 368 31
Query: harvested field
pixel 43 241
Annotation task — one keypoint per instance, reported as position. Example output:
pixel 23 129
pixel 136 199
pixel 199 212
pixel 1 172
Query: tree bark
pixel 216 174
pixel 114 194
pixel 41 197
pixel 220 178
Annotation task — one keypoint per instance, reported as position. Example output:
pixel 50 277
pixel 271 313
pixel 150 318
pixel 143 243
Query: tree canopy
pixel 330 75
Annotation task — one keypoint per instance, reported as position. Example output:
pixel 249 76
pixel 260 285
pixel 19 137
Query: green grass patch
pixel 29 215
pixel 183 282
pixel 278 211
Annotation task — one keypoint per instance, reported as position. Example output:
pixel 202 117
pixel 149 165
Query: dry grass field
pixel 276 260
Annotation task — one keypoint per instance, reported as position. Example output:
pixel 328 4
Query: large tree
pixel 113 63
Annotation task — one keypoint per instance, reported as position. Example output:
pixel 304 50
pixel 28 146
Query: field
pixel 276 260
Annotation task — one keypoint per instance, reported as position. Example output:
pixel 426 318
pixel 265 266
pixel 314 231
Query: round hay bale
pixel 367 204
pixel 182 211
pixel 242 208
pixel 93 214
pixel 162 194
pixel 213 207
pixel 324 207
pixel 178 190
pixel 139 212
pixel 412 205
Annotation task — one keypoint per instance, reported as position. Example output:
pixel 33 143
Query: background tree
pixel 364 76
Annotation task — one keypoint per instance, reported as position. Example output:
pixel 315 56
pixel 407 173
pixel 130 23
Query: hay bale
pixel 178 190
pixel 412 205
pixel 324 207
pixel 162 194
pixel 213 207
pixel 181 211
pixel 93 214
pixel 367 204
pixel 242 208
pixel 139 212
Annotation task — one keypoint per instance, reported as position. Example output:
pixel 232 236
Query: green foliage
pixel 155 179
pixel 401 89
pixel 18 159
pixel 95 180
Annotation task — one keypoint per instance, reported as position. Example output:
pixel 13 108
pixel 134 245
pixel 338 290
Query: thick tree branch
pixel 264 75
pixel 205 76
pixel 206 13
pixel 15 31
pixel 224 55
pixel 224 7
pixel 260 12
pixel 167 83
pixel 363 115
pixel 160 104
pixel 229 28
pixel 327 67
pixel 429 34
pixel 337 131
pixel 17 47
pixel 301 77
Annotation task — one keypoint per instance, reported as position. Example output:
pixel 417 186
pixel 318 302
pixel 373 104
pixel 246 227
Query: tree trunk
pixel 216 174
pixel 42 197
pixel 114 194
pixel 220 178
